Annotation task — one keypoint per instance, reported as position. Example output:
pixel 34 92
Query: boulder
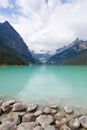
pixel 74 124
pixel 47 110
pixel 5 107
pixel 58 116
pixel 44 119
pixel 83 121
pixel 65 127
pixel 10 102
pixel 54 107
pixel 58 123
pixel 68 109
pixel 18 107
pixel 53 111
pixel 32 107
pixel 38 113
pixel 12 118
pixel 8 126
pixel 26 126
pixel 28 118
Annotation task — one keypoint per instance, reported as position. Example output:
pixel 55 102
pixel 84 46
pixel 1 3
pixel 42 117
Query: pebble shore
pixel 16 115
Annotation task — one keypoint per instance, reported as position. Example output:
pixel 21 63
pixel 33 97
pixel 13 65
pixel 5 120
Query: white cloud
pixel 49 26
pixel 4 4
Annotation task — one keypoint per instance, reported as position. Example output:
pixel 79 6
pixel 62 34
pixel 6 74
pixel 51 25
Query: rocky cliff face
pixel 13 49
pixel 73 54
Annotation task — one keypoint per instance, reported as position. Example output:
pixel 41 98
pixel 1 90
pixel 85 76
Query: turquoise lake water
pixel 44 83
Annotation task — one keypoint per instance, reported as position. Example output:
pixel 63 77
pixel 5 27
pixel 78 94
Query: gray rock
pixel 68 109
pixel 47 110
pixel 44 119
pixel 38 128
pixel 54 107
pixel 28 118
pixel 32 107
pixel 18 107
pixel 49 127
pixel 53 111
pixel 65 127
pixel 5 107
pixel 58 116
pixel 10 102
pixel 38 113
pixel 58 123
pixel 74 123
pixel 83 121
pixel 8 126
pixel 26 126
pixel 12 118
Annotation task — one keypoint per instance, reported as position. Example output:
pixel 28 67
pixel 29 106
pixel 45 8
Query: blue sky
pixel 46 24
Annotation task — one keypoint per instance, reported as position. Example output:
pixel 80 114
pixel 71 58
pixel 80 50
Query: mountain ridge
pixel 13 50
pixel 73 54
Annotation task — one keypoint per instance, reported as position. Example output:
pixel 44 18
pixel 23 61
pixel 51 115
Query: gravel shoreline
pixel 15 115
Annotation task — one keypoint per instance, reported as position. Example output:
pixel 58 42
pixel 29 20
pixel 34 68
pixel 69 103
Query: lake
pixel 44 84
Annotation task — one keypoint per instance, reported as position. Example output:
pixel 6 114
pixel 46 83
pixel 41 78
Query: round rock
pixel 68 109
pixel 28 118
pixel 74 124
pixel 32 107
pixel 5 107
pixel 44 119
pixel 54 107
pixel 58 116
pixel 38 113
pixel 18 107
pixel 83 121
pixel 47 110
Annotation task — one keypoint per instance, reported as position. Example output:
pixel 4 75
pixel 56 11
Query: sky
pixel 46 25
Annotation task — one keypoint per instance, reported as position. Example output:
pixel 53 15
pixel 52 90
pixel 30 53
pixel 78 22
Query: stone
pixel 58 116
pixel 58 123
pixel 18 107
pixel 44 119
pixel 32 107
pixel 38 128
pixel 68 109
pixel 65 127
pixel 53 111
pixel 38 113
pixel 83 121
pixel 47 110
pixel 10 102
pixel 74 124
pixel 49 127
pixel 26 126
pixel 5 107
pixel 54 107
pixel 12 118
pixel 8 126
pixel 28 118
